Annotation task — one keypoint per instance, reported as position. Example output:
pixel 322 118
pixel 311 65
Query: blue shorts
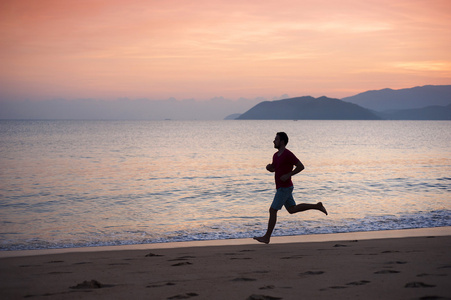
pixel 284 196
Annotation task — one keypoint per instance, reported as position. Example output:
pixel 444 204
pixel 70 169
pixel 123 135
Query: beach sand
pixel 412 267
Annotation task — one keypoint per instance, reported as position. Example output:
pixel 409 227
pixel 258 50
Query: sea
pixel 73 183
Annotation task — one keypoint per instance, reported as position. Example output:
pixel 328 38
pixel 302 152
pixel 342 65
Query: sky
pixel 202 49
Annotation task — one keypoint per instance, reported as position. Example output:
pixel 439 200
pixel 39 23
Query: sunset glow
pixel 203 49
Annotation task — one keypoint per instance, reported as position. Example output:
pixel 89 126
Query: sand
pixel 412 267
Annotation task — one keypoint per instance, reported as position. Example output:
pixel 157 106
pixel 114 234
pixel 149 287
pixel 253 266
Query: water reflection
pixel 96 179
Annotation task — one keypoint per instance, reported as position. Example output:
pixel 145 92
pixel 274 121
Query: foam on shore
pixel 367 235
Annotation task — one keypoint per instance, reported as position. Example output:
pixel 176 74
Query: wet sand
pixel 378 265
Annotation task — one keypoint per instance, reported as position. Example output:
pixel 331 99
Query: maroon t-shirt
pixel 282 165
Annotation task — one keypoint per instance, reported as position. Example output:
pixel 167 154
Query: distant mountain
pixel 308 108
pixel 427 113
pixel 417 97
pixel 232 117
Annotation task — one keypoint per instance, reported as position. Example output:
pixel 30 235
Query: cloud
pixel 199 49
pixel 434 66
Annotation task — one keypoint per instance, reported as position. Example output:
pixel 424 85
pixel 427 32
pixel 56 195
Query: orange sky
pixel 231 48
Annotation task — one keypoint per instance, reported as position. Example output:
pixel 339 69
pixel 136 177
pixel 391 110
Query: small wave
pixel 237 229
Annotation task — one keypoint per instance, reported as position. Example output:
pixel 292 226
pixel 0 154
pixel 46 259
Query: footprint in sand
pixel 311 273
pixel 396 262
pixel 445 267
pixel 335 287
pixel 182 258
pixel 93 284
pixel 28 266
pixel 262 297
pixel 271 287
pixel 267 287
pixel 184 296
pixel 55 261
pixel 361 282
pixel 293 257
pixel 426 274
pixel 243 279
pixel 387 272
pixel 182 264
pixel 160 285
pixel 153 255
pixel 417 284
pixel 338 287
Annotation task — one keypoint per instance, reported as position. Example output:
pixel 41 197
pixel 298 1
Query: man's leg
pixel 271 224
pixel 304 206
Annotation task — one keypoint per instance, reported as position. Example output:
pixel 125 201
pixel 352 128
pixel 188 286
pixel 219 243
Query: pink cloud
pixel 202 49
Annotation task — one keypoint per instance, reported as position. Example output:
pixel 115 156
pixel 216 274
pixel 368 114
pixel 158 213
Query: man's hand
pixel 270 168
pixel 299 168
pixel 285 177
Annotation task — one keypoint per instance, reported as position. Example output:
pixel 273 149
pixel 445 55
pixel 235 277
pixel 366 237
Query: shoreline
pixel 327 237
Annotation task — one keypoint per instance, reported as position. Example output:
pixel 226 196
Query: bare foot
pixel 261 239
pixel 322 208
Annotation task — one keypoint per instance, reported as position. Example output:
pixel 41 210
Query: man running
pixel 282 166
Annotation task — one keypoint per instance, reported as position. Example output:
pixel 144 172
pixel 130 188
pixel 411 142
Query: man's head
pixel 281 138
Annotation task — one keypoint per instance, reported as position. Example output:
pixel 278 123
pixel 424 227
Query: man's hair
pixel 283 136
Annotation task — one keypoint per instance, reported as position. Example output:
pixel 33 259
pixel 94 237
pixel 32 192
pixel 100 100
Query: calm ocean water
pixel 92 183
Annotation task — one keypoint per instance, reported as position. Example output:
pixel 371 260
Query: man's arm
pixel 299 168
